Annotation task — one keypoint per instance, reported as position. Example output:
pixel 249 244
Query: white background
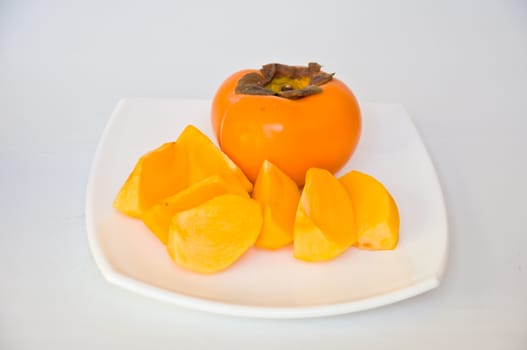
pixel 459 67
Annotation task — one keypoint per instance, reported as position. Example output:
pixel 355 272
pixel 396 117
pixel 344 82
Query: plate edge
pixel 443 263
pixel 99 257
pixel 248 311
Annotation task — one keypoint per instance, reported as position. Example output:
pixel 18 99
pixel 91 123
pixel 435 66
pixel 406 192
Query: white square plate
pixel 263 283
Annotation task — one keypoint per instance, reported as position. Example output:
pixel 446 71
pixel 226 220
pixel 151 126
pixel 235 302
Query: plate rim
pixel 270 312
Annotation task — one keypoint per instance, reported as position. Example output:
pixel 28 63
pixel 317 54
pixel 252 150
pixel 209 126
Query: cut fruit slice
pixel 278 195
pixel 325 222
pixel 205 159
pixel 158 174
pixel 376 211
pixel 158 218
pixel 212 236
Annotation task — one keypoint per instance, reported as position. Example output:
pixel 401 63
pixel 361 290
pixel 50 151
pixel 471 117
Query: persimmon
pixel 158 174
pixel 278 195
pixel 296 117
pixel 376 212
pixel 173 167
pixel 158 217
pixel 325 224
pixel 214 235
pixel 205 159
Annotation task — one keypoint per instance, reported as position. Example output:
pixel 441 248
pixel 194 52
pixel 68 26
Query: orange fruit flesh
pixel 205 159
pixel 196 201
pixel 158 218
pixel 158 174
pixel 278 196
pixel 171 168
pixel 212 236
pixel 325 223
pixel 375 209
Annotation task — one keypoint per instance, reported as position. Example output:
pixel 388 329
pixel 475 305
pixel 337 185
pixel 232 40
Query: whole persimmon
pixel 296 117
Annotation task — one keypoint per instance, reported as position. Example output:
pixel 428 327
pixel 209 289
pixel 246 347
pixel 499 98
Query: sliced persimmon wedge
pixel 325 222
pixel 212 236
pixel 158 218
pixel 204 159
pixel 173 167
pixel 158 174
pixel 278 196
pixel 375 210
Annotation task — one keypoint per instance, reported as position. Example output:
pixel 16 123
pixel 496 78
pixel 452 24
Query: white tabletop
pixel 459 67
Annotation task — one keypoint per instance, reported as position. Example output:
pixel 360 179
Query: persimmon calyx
pixel 292 82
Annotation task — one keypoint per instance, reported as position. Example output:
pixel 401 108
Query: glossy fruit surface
pixel 320 130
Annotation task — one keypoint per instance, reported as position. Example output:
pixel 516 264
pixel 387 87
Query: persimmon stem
pixel 292 82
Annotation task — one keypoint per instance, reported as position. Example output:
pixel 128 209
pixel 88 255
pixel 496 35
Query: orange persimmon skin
pixel 321 130
pixel 223 99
